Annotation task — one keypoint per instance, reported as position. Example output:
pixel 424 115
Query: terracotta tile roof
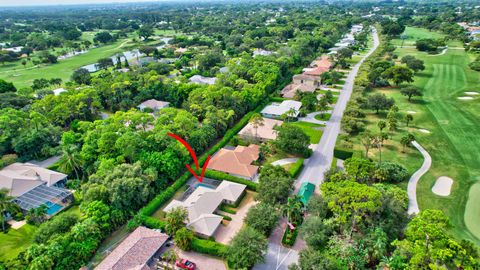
pixel 317 71
pixel 265 131
pixel 290 90
pixel 135 251
pixel 323 62
pixel 305 77
pixel 237 161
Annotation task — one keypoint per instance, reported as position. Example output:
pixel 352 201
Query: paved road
pixel 322 157
pixel 412 183
pixel 279 257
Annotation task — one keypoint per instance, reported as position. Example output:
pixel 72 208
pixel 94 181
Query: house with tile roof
pixel 264 132
pixel 310 80
pixel 237 161
pixel 276 110
pixel 202 204
pixel 153 104
pixel 137 251
pixel 290 90
pixel 32 186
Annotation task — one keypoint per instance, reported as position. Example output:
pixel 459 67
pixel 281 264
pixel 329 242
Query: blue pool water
pixel 203 185
pixel 52 208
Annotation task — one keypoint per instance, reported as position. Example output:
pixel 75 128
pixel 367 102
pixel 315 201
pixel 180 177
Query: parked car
pixel 185 264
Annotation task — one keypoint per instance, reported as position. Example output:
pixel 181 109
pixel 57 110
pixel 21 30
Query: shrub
pixel 225 217
pixel 58 225
pixel 262 217
pixel 153 223
pixel 296 167
pixel 227 209
pixel 342 154
pixel 390 172
pixel 289 237
pixel 208 247
pixel 224 176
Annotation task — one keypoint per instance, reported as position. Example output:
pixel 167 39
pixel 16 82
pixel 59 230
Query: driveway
pixel 321 159
pixel 279 257
pixel 203 262
pixel 225 233
pixel 412 183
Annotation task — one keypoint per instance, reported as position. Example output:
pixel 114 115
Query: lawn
pixel 412 34
pixel 15 241
pixel 453 139
pixel 314 131
pixel 323 117
pixel 14 72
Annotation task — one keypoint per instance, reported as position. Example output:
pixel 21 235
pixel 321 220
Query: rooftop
pixel 20 178
pixel 202 80
pixel 203 202
pixel 237 161
pixel 135 251
pixel 153 104
pixel 281 108
pixel 290 90
pixel 265 131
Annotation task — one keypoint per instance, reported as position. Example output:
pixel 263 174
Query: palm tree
pixel 257 121
pixel 406 140
pixel 170 257
pixel 292 210
pixel 5 203
pixel 37 215
pixel 71 161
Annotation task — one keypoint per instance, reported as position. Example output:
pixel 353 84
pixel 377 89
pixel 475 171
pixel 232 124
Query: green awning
pixel 305 192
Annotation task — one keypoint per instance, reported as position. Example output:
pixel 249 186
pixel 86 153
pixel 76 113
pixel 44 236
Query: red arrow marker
pixel 194 157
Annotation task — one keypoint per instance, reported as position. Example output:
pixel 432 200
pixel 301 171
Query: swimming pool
pixel 204 185
pixel 53 208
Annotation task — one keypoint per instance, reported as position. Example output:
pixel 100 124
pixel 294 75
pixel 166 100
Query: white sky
pixel 63 2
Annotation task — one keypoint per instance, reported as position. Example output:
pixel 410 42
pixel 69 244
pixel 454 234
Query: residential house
pixel 290 90
pixel 276 110
pixel 237 161
pixel 32 186
pixel 153 104
pixel 261 52
pixel 202 80
pixel 310 80
pixel 138 251
pixel 264 132
pixel 202 204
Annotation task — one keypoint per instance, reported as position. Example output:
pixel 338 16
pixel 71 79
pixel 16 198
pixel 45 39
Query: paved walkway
pixel 224 234
pixel 322 157
pixel 284 161
pixel 412 183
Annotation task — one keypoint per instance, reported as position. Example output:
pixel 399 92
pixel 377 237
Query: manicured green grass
pixel 412 34
pixel 323 117
pixel 15 241
pixel 453 142
pixel 14 72
pixel 314 131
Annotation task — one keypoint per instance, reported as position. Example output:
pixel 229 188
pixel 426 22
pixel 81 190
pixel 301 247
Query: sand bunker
pixel 411 112
pixel 465 98
pixel 424 130
pixel 443 186
pixel 472 93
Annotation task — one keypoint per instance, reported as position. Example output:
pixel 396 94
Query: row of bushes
pixel 225 176
pixel 208 247
pixel 228 209
pixel 225 217
pixel 296 167
pixel 153 223
pixel 342 154
pixel 289 237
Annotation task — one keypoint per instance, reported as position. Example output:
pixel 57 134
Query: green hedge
pixel 227 209
pixel 296 167
pixel 293 236
pixel 277 99
pixel 164 196
pixel 342 154
pixel 226 217
pixel 153 223
pixel 224 176
pixel 209 247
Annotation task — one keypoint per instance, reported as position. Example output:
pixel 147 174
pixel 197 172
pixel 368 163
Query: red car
pixel 185 264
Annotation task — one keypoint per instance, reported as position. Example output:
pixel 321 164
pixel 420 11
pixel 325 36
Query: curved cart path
pixel 412 183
